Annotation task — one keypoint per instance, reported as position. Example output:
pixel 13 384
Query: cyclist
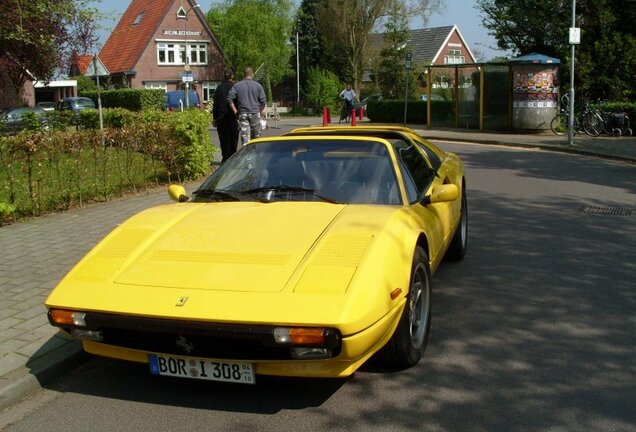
pixel 350 97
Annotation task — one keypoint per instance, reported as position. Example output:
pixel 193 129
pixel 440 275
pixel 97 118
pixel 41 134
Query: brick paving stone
pixel 30 313
pixel 10 362
pixel 27 304
pixel 9 333
pixel 11 345
pixel 7 323
pixel 32 323
pixel 45 331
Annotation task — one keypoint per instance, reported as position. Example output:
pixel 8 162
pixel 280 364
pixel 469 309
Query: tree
pixel 346 27
pixel 322 88
pixel 255 33
pixel 606 57
pixel 38 37
pixel 311 50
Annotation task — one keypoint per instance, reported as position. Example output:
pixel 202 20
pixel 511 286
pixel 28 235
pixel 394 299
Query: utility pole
pixel 575 39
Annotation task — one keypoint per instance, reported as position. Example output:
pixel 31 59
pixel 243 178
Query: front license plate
pixel 213 370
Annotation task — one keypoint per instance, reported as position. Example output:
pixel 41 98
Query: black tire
pixel 457 249
pixel 409 340
pixel 559 124
pixel 592 125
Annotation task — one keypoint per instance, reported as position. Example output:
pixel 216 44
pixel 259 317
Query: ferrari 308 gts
pixel 302 255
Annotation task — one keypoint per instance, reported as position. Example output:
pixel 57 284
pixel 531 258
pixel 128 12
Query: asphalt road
pixel 535 330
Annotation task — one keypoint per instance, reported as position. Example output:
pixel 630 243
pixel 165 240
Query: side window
pixel 435 161
pixel 416 172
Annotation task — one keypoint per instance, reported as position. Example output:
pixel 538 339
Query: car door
pixel 419 178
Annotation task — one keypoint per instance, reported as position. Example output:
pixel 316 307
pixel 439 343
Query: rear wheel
pixel 592 125
pixel 405 347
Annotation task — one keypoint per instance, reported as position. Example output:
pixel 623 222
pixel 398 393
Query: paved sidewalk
pixel 37 253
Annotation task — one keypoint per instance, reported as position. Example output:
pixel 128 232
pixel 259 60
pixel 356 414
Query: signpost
pixel 96 69
pixel 407 67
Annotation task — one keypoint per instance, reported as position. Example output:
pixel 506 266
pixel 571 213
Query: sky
pixel 459 12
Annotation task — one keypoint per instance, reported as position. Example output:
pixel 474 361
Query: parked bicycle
pixel 560 123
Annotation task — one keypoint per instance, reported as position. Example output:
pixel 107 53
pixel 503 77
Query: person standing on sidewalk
pixel 247 100
pixel 224 118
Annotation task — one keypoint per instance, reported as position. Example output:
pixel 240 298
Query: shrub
pixel 392 111
pixel 42 172
pixel 323 88
pixel 131 99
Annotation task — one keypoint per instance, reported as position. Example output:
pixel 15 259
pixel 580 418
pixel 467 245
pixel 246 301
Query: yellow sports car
pixel 302 255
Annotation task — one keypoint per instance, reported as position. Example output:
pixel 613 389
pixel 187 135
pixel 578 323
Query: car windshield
pixel 83 103
pixel 333 170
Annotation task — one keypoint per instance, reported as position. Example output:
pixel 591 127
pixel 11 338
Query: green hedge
pixel 131 99
pixel 47 171
pixel 392 111
pixel 628 107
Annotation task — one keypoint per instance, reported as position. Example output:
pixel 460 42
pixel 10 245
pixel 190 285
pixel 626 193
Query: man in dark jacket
pixel 224 119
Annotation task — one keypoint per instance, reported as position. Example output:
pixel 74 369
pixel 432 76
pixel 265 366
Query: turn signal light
pixel 59 317
pixel 299 336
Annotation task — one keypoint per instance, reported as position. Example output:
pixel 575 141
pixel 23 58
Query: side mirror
pixel 442 193
pixel 178 193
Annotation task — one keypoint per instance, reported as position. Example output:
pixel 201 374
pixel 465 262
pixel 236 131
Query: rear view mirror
pixel 442 193
pixel 178 193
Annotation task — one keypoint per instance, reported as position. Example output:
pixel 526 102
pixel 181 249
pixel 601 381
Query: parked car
pixel 47 106
pixel 13 120
pixel 365 100
pixel 76 104
pixel 302 255
pixel 176 99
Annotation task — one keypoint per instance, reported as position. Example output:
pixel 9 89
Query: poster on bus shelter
pixel 535 88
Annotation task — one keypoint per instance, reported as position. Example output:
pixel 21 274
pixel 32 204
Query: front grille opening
pixel 605 211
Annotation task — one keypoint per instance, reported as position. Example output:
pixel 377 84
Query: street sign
pixel 575 35
pixel 187 77
pixel 407 60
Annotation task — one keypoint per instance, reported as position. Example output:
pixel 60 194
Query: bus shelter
pixel 521 94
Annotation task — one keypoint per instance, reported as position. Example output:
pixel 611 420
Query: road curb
pixel 24 381
pixel 544 147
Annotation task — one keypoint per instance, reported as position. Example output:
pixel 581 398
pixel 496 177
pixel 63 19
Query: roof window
pixel 139 18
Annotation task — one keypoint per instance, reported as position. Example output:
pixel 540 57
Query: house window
pixel 155 85
pixel 454 56
pixel 181 13
pixel 174 54
pixel 209 87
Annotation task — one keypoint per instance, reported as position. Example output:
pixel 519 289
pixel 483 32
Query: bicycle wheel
pixel 559 124
pixel 592 125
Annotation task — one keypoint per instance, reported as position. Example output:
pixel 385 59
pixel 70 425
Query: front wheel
pixel 559 124
pixel 409 339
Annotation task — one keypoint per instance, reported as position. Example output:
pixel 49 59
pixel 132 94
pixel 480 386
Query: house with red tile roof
pixel 164 44
pixel 79 64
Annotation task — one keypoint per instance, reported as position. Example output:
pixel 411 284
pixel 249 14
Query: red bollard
pixel 353 117
pixel 361 113
pixel 324 116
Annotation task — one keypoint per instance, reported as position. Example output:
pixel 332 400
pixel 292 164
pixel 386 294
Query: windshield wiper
pixel 290 189
pixel 217 193
pixel 225 194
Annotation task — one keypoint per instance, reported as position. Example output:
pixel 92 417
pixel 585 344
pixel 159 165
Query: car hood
pixel 284 262
pixel 247 248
